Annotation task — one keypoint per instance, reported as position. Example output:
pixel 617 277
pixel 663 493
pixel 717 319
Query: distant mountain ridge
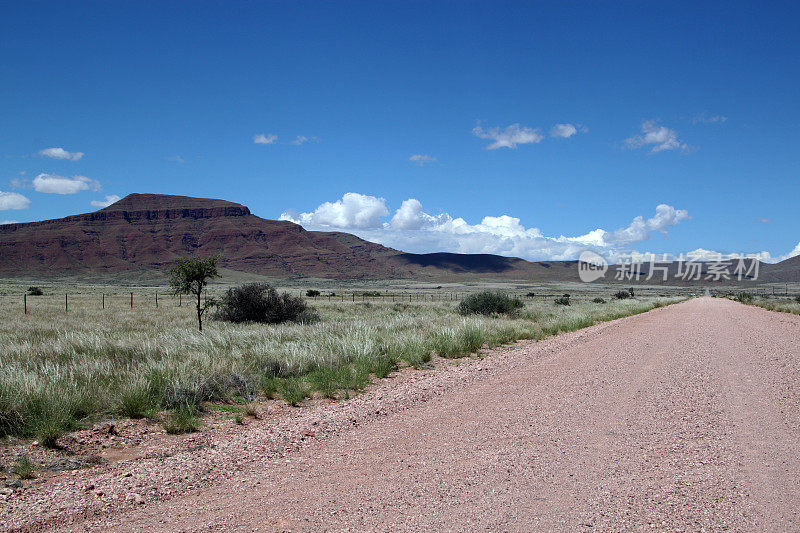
pixel 149 231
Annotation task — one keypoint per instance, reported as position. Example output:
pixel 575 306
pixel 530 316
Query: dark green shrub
pixel 311 293
pixel 260 302
pixel 35 291
pixel 562 300
pixel 599 301
pixel 489 303
pixel 744 297
pixel 530 295
pixel 622 295
pixel 373 294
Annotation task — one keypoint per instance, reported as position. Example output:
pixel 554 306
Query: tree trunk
pixel 199 313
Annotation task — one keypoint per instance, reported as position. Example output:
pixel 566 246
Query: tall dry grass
pixel 59 370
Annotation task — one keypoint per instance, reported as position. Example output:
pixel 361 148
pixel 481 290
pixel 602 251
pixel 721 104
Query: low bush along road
pixel 682 418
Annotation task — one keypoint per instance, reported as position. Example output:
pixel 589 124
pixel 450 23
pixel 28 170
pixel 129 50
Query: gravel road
pixel 686 418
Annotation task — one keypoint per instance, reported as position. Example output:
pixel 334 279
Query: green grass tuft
pixel 294 391
pixel 182 419
pixel 24 467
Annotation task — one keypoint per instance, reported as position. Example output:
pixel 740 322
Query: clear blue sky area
pixel 455 104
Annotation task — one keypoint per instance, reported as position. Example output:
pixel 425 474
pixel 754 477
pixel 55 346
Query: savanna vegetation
pixel 60 370
pixel 780 304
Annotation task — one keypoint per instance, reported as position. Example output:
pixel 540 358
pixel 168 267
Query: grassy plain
pixel 780 304
pixel 62 368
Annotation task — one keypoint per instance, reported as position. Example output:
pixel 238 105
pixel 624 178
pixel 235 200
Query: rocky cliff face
pixel 146 231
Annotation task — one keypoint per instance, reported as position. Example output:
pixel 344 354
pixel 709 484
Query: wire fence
pixel 133 299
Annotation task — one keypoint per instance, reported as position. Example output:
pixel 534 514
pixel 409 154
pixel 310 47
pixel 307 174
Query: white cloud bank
pixel 701 254
pixel 412 229
pixel 60 153
pixel 508 137
pixel 13 200
pixel 657 138
pixel 110 199
pixel 793 253
pixel 55 184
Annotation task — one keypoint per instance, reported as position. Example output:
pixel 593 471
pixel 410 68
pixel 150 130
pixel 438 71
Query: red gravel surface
pixel 686 418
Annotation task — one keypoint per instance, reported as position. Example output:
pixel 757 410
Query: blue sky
pixel 690 105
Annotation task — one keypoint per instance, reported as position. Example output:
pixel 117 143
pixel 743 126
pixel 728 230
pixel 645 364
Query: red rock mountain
pixel 149 231
pixel 146 232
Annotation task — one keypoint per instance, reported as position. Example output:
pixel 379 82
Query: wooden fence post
pixel 131 300
pixel 66 303
pixel 104 300
pixel 156 300
pixel 25 302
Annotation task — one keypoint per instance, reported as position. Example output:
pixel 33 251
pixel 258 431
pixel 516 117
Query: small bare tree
pixel 190 276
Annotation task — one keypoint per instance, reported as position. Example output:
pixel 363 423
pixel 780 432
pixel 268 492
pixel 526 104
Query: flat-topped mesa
pixel 146 207
pixel 164 206
pixel 167 202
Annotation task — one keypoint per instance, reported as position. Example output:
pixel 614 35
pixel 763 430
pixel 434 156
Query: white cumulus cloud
pixel 657 138
pixel 795 252
pixel 411 216
pixel 55 184
pixel 13 200
pixel 110 199
pixel 640 229
pixel 352 211
pixel 508 137
pixel 421 159
pixel 60 153
pixel 265 139
pixel 412 229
